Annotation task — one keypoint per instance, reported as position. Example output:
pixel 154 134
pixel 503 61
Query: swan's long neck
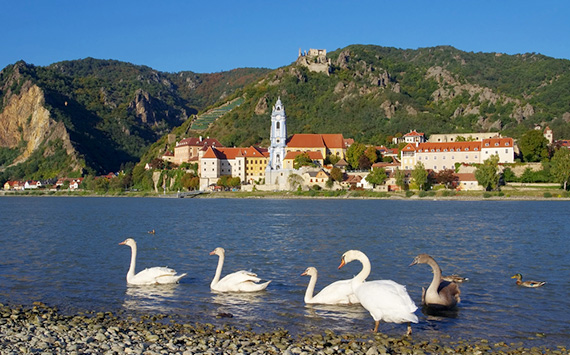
pixel 131 271
pixel 310 289
pixel 363 274
pixel 218 271
pixel 436 275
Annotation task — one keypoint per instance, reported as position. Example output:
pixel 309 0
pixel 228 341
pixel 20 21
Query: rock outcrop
pixel 25 119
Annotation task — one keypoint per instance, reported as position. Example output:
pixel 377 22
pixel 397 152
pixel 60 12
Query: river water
pixel 64 251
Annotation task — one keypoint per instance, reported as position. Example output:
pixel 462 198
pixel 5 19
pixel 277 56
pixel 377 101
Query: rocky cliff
pixel 26 123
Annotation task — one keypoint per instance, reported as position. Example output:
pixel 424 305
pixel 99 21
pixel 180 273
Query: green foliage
pixel 561 166
pixel 302 160
pixel 487 174
pixel 353 154
pixel 336 174
pixel 377 176
pixel 533 146
pixel 400 177
pixel 420 176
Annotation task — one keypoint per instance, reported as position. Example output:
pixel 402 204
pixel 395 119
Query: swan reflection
pixel 149 297
pixel 336 312
pixel 240 305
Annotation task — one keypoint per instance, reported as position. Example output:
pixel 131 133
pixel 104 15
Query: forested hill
pixel 95 115
pixel 372 93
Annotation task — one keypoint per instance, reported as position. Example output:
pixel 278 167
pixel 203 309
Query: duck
pixel 239 281
pixel 151 276
pixel 531 284
pixel 440 293
pixel 338 292
pixel 385 300
pixel 151 231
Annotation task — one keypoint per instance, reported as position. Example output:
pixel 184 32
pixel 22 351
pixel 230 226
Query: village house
pixel 441 156
pixel 246 163
pixel 187 150
pixel 410 137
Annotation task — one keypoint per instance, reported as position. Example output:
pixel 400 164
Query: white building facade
pixel 442 156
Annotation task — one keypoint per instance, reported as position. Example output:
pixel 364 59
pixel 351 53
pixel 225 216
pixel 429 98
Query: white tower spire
pixel 278 137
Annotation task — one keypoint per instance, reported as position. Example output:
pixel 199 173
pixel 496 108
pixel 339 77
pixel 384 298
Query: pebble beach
pixel 40 329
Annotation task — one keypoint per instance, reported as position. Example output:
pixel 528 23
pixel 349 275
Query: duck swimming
pixel 530 283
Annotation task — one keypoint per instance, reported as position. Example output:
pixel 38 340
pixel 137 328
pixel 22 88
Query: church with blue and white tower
pixel 275 174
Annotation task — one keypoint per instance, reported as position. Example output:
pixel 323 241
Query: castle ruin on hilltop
pixel 316 60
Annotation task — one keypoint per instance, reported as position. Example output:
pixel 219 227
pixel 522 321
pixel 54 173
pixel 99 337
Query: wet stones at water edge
pixel 42 329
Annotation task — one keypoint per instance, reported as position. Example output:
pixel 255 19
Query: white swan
pixel 239 281
pixel 386 300
pixel 339 292
pixel 150 276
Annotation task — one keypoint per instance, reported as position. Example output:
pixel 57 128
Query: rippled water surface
pixel 65 253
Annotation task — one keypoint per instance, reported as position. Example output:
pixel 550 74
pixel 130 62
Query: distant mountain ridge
pixel 107 113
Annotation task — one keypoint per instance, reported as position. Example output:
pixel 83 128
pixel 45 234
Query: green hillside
pixel 375 92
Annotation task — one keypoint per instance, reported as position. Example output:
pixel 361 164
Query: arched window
pixel 277 125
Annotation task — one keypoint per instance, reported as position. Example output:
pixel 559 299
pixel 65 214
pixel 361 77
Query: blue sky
pixel 211 36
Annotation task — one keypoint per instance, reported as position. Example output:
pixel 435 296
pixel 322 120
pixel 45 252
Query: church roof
pixel 308 140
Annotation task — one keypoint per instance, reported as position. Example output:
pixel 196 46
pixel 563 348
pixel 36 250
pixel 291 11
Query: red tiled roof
pixel 307 140
pixel 413 133
pixel 232 153
pixel 199 142
pixel 312 155
pixel 497 142
pixel 461 146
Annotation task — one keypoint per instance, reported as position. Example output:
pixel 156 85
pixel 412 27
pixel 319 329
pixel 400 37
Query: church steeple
pixel 278 136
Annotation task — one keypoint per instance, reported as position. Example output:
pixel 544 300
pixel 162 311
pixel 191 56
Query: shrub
pixel 547 195
pixel 486 195
pixel 409 193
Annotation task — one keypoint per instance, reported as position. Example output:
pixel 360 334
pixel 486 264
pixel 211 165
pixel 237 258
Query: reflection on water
pixel 152 298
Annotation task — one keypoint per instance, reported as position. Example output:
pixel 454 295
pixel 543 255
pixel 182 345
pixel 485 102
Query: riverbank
pixel 509 192
pixel 43 329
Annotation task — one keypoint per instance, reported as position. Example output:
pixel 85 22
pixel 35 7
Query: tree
pixel 364 163
pixel 336 174
pixel 400 177
pixel 560 166
pixel 446 177
pixel 487 174
pixel 377 176
pixel 353 154
pixel 190 181
pixel 332 159
pixel 302 160
pixel 420 175
pixel 509 175
pixel 533 146
pixel 372 154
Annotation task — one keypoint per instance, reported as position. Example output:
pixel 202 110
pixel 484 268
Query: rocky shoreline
pixel 40 329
